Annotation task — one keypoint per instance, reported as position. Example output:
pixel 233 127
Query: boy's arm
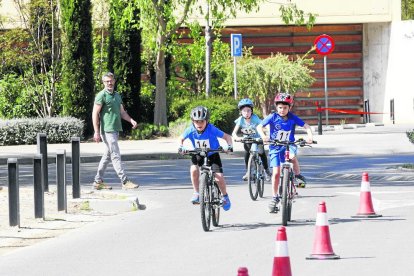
pixel 309 132
pixel 228 139
pixel 234 133
pixel 261 133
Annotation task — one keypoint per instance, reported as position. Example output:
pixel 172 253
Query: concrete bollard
pixel 39 206
pixel 14 202
pixel 42 149
pixel 76 167
pixel 61 179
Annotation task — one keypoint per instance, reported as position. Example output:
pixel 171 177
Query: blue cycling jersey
pixel 282 129
pixel 206 139
pixel 249 128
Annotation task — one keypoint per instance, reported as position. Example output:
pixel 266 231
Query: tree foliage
pixel 124 54
pixel 78 85
pixel 260 79
pixel 407 9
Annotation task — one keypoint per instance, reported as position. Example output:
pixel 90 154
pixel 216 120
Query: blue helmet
pixel 245 102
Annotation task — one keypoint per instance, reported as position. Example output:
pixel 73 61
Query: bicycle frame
pixel 210 195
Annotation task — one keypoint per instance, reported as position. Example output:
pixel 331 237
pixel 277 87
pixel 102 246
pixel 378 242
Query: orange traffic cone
pixel 242 271
pixel 366 209
pixel 281 261
pixel 322 248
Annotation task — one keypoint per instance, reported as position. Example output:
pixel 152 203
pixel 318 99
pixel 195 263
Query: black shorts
pixel 213 160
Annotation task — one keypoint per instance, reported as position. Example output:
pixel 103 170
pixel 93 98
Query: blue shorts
pixel 278 157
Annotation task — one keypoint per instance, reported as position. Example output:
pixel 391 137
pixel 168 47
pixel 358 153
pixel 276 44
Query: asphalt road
pixel 167 238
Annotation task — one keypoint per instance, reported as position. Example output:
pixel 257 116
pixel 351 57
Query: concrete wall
pixel 328 12
pixel 388 70
pixel 400 72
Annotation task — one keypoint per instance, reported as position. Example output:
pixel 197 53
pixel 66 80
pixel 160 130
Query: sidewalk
pixel 354 139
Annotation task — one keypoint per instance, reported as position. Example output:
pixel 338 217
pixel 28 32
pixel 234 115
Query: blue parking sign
pixel 236 45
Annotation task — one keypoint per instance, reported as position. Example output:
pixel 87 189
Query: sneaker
pixel 267 174
pixel 226 203
pixel 100 185
pixel 128 184
pixel 195 199
pixel 273 205
pixel 300 180
pixel 245 177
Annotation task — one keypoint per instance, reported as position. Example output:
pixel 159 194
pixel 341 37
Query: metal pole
pixel 61 179
pixel 76 167
pixel 326 89
pixel 42 149
pixel 38 187
pixel 235 77
pixel 13 178
pixel 208 51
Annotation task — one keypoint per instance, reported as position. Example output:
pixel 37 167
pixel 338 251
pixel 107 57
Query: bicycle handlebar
pixel 249 140
pixel 300 142
pixel 201 151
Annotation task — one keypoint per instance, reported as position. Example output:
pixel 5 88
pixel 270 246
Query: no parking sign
pixel 324 44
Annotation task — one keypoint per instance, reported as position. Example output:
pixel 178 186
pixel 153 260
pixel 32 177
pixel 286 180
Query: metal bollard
pixel 39 206
pixel 42 149
pixel 61 179
pixel 319 111
pixel 14 207
pixel 76 167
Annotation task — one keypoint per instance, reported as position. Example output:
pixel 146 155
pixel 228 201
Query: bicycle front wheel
pixel 285 199
pixel 216 196
pixel 252 175
pixel 260 180
pixel 205 202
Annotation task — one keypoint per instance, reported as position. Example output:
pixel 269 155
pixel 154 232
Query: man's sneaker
pixel 195 199
pixel 273 205
pixel 267 174
pixel 225 201
pixel 300 180
pixel 99 185
pixel 128 184
pixel 245 176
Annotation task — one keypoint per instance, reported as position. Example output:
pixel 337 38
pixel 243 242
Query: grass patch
pixel 85 206
pixel 408 166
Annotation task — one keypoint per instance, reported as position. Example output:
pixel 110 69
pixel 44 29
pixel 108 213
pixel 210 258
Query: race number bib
pixel 202 143
pixel 248 130
pixel 283 135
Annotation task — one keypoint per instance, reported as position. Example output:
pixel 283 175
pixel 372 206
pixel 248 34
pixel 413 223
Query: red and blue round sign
pixel 324 44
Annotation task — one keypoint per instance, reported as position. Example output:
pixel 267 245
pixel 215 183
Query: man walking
pixel 107 113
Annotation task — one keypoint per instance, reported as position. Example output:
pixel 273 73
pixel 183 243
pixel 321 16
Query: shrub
pixel 177 127
pixel 410 135
pixel 147 131
pixel 24 131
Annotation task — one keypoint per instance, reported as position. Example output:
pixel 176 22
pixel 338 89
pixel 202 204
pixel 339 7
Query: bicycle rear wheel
pixel 285 199
pixel 216 197
pixel 205 202
pixel 252 175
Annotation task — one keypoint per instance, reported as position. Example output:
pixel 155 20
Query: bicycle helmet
pixel 200 113
pixel 245 102
pixel 284 98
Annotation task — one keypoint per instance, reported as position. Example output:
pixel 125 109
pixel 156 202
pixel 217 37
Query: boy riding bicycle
pixel 247 124
pixel 202 134
pixel 282 127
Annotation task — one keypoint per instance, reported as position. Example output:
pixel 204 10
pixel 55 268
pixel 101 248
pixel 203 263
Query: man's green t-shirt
pixel 110 116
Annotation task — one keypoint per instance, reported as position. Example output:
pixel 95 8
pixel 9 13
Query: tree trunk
pixel 160 110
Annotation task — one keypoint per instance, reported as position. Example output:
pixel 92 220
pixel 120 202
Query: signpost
pixel 324 46
pixel 236 51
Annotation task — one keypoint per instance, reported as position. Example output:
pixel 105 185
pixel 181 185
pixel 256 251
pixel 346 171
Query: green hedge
pixel 223 111
pixel 24 131
pixel 410 135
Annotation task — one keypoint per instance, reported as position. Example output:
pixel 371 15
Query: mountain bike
pixel 210 195
pixel 287 188
pixel 255 169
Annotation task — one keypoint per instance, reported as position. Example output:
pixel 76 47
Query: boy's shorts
pixel 213 160
pixel 278 157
